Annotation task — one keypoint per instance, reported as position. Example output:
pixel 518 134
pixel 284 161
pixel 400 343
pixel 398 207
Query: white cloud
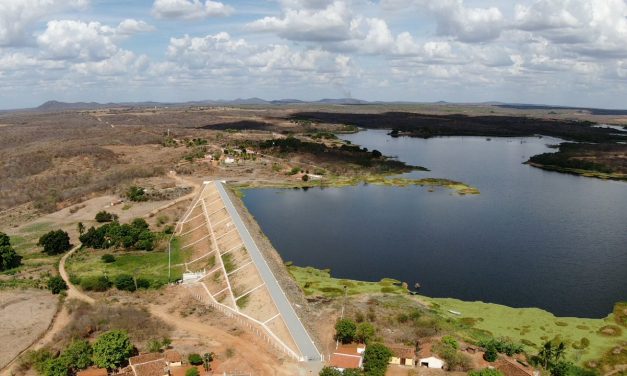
pixel 467 24
pixel 17 17
pixel 69 39
pixel 131 26
pixel 331 23
pixel 189 9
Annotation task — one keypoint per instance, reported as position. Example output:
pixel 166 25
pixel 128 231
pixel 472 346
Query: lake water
pixel 532 238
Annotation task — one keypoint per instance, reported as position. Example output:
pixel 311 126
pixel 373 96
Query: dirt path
pixel 267 363
pixel 72 292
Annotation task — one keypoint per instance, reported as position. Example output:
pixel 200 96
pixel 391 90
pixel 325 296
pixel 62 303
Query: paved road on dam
pixel 295 326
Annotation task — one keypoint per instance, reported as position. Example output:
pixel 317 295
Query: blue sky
pixel 567 52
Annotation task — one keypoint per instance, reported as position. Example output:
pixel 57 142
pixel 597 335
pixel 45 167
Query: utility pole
pixel 337 341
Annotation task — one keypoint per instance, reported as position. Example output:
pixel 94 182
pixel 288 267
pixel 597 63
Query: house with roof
pixel 173 358
pixel 402 355
pixel 348 357
pixel 431 362
pixel 512 368
pixel 154 364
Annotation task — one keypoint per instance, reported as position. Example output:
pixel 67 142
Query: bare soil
pixel 24 316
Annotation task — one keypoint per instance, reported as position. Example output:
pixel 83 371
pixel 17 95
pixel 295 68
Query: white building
pixel 431 362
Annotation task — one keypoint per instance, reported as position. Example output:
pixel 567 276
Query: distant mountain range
pixel 64 106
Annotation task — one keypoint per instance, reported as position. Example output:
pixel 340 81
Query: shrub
pixel 192 372
pixel 125 282
pixel 78 355
pixel 112 348
pixel 142 283
pixel 104 216
pixel 490 354
pixel 305 177
pixel 108 258
pixel 486 372
pixel 448 340
pixel 135 193
pixel 95 283
pixel 56 284
pixel 195 359
pixel 345 330
pixel 55 242
pixel 294 171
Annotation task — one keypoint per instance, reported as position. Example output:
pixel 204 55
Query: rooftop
pixel 401 351
pixel 143 358
pixel 339 360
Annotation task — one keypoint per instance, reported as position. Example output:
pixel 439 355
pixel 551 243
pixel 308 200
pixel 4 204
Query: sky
pixel 560 52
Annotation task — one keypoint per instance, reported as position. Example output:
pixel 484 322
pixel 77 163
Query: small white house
pixel 229 160
pixel 431 362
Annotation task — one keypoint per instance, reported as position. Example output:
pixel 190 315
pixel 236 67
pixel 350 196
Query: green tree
pixel 112 348
pixel 550 354
pixel 490 354
pixel 56 284
pixel 376 359
pixel 56 367
pixel 81 228
pixel 329 371
pixel 486 372
pixel 365 332
pixel 192 372
pixel 78 355
pixel 125 282
pixel 345 330
pixel 195 359
pixel 9 259
pixel 55 242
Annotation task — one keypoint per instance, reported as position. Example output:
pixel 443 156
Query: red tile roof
pixel 345 361
pixel 143 358
pixel 154 368
pixel 513 368
pixel 173 356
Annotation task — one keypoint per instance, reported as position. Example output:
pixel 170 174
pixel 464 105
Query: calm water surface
pixel 531 239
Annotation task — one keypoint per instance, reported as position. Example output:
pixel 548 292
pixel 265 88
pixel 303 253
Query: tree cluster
pixel 135 235
pixel 551 358
pixel 110 350
pixel 347 331
pixel 9 259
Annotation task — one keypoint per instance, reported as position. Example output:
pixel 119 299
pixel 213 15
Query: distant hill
pixel 54 105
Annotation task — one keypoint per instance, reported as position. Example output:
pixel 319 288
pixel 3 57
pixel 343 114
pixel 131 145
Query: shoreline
pixel 579 172
pixel 460 188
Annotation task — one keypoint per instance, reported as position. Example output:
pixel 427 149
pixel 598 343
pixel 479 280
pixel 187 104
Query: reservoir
pixel 532 238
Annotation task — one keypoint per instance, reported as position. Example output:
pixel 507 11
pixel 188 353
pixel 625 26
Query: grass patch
pixel 152 266
pixel 243 301
pixel 229 264
pixel 319 283
pixel 537 325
